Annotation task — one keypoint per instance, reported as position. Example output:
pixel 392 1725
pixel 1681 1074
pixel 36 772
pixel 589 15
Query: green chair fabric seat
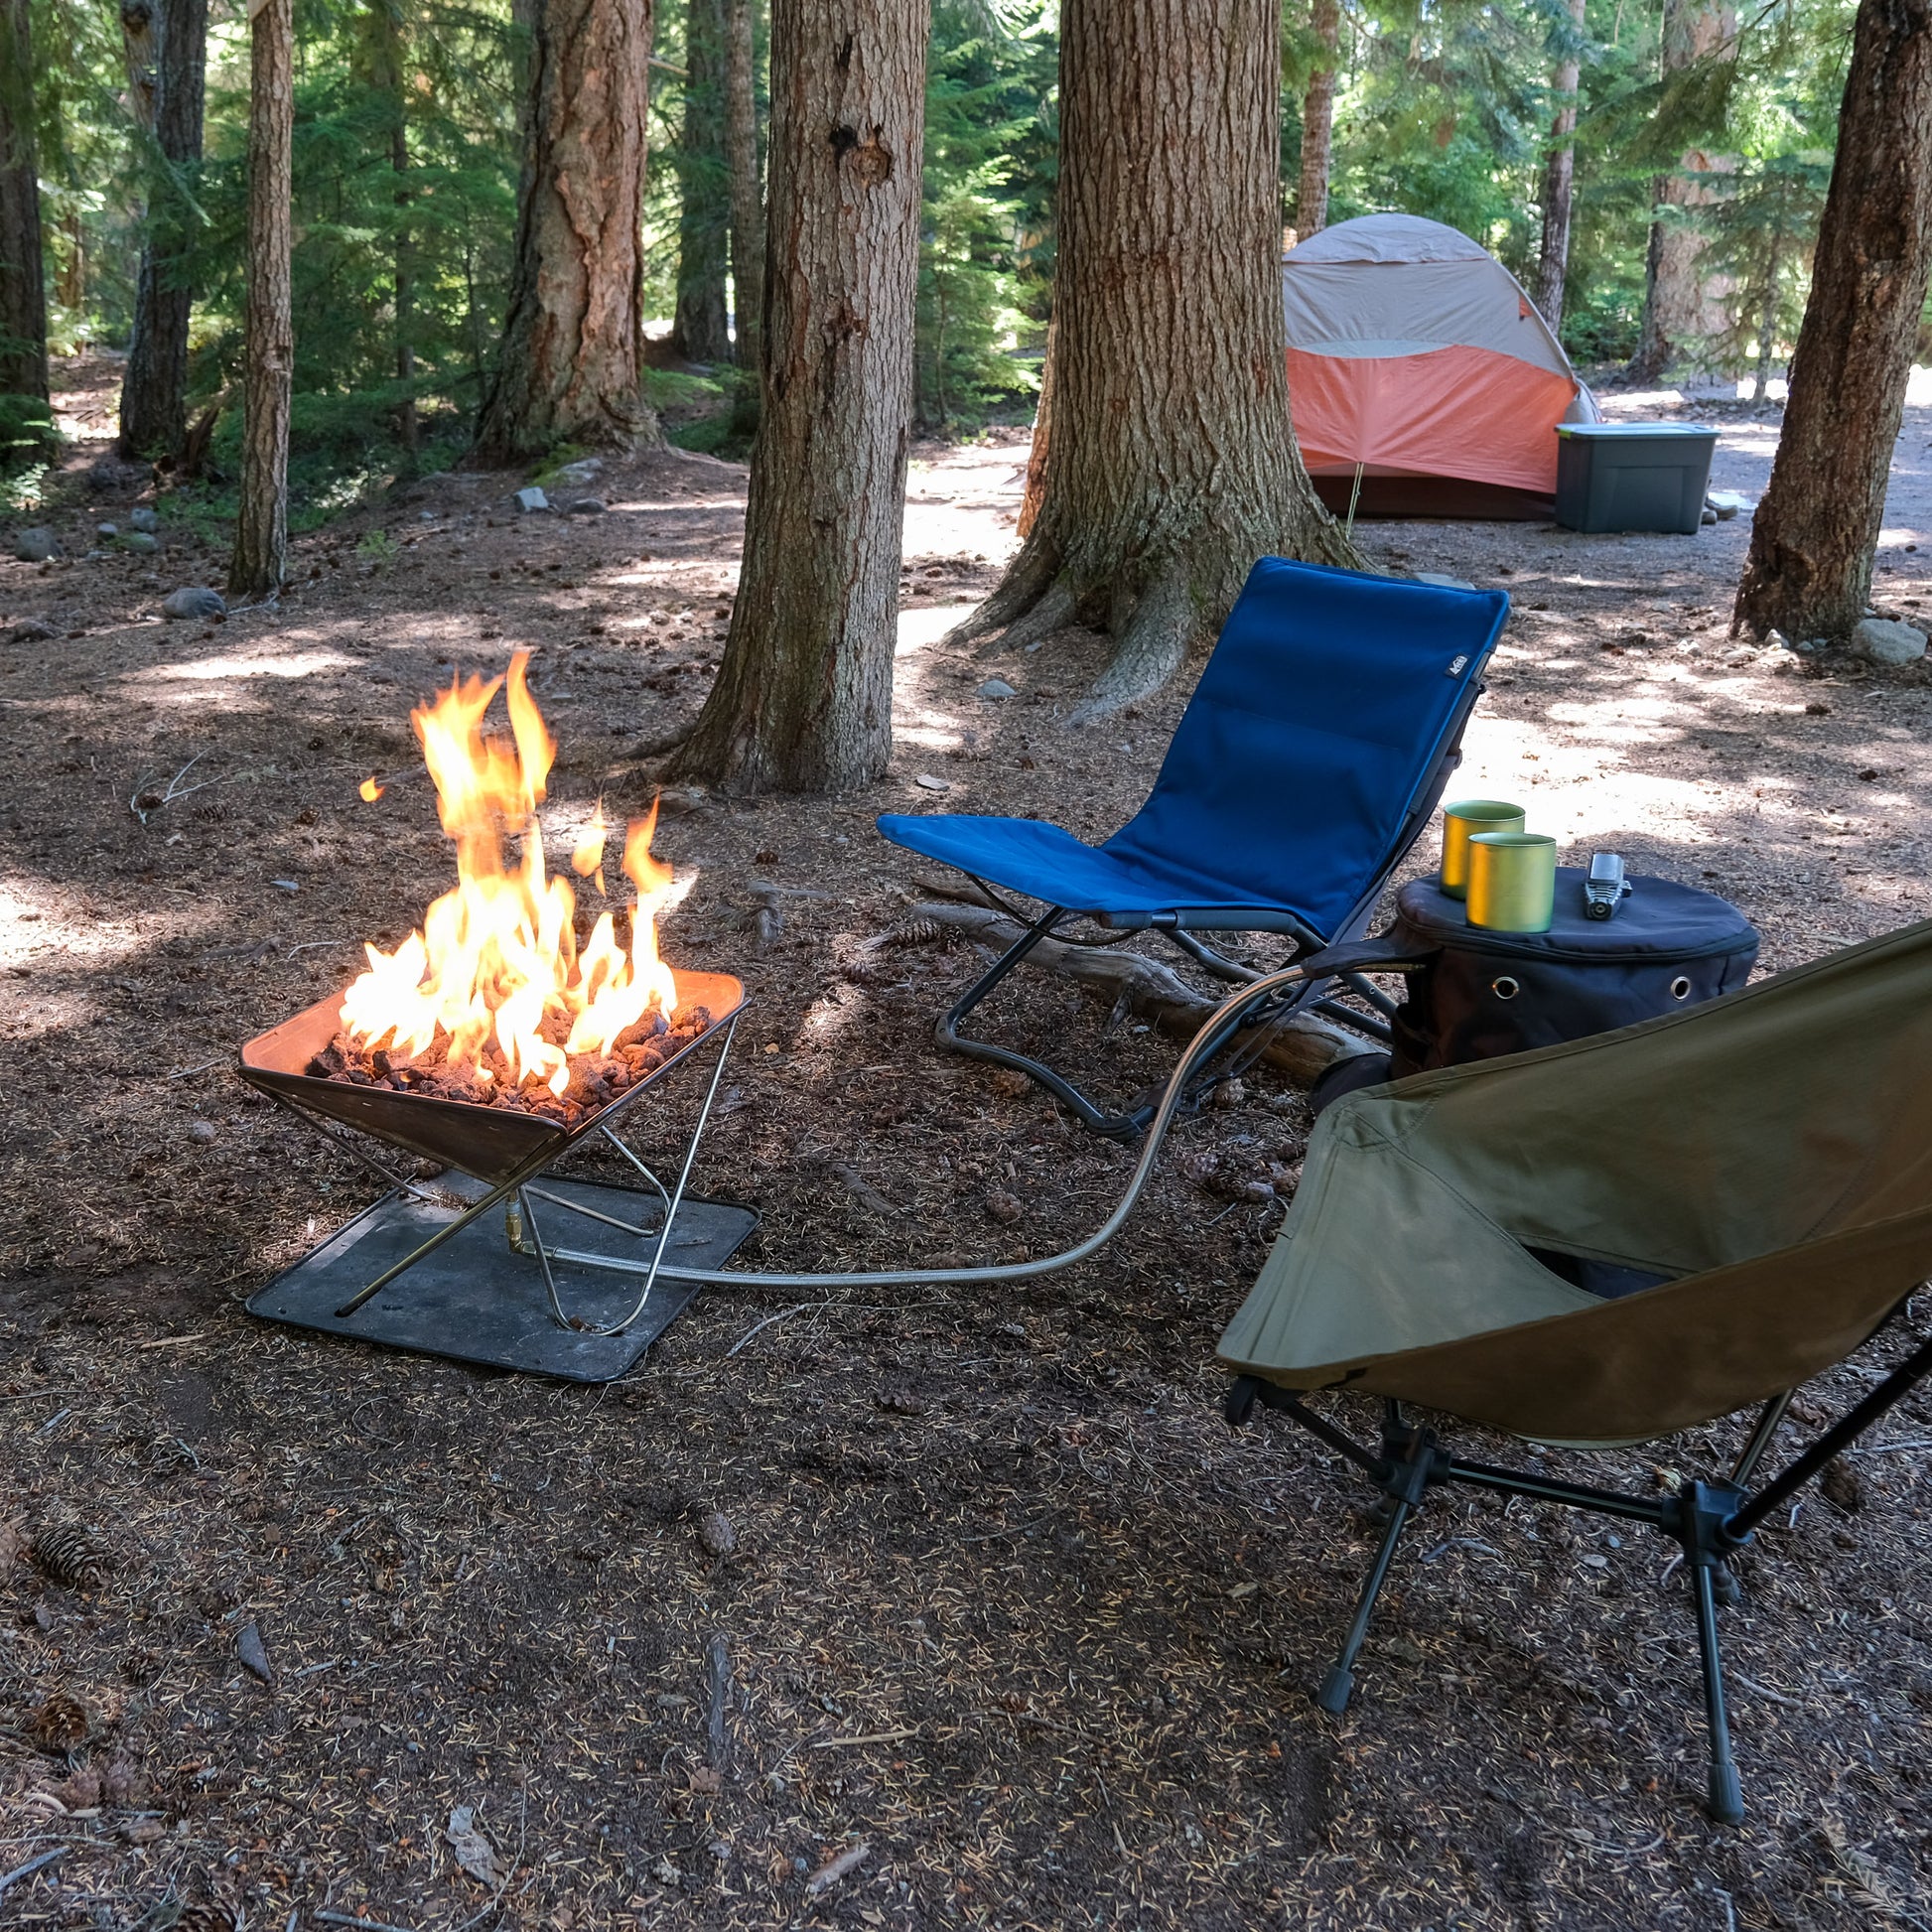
pixel 1768 1154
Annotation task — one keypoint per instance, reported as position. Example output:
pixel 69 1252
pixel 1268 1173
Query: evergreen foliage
pixel 1443 109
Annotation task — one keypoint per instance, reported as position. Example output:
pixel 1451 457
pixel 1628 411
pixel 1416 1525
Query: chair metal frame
pixel 1178 928
pixel 1708 1520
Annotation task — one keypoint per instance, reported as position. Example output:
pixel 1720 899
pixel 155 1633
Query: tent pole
pixel 1354 496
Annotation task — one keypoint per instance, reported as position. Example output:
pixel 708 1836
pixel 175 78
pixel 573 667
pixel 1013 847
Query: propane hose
pixel 1204 1043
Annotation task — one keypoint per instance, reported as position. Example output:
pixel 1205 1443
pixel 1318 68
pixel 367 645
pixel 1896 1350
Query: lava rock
pixel 997 687
pixel 589 506
pixel 193 603
pixel 201 1131
pixel 143 519
pixel 531 499
pixel 36 546
pixel 716 1535
pixel 1882 640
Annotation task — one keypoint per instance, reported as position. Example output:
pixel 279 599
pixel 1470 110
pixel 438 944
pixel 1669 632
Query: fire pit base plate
pixel 477 1300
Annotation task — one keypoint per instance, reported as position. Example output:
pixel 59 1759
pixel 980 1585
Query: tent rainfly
pixel 1418 366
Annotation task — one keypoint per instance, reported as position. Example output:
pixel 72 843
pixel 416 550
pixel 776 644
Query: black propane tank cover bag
pixel 1484 994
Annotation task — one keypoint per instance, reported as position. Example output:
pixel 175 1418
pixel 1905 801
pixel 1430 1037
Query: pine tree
pixel 1171 464
pixel 23 277
pixel 803 699
pixel 701 330
pixel 570 369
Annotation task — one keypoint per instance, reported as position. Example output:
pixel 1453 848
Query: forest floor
pixel 1017 1632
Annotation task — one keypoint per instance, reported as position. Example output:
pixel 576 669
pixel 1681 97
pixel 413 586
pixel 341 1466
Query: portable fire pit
pixel 489 1045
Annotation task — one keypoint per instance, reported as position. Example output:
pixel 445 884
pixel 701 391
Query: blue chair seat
pixel 1047 863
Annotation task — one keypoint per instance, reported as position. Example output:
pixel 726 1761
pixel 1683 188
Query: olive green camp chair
pixel 1763 1160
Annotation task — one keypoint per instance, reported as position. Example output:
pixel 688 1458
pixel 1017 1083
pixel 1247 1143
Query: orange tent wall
pixel 1462 412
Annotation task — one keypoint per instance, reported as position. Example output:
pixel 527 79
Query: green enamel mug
pixel 1461 823
pixel 1512 882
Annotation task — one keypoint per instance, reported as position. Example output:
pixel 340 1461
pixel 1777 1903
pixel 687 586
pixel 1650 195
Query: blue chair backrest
pixel 1318 722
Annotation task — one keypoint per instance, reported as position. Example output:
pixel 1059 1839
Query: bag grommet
pixel 1505 987
pixel 1679 987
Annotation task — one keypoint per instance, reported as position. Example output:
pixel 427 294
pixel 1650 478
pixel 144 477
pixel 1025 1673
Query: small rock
pixel 1727 503
pixel 36 546
pixel 1883 640
pixel 193 603
pixel 997 687
pixel 201 1131
pixel 248 1645
pixel 142 542
pixel 716 1535
pixel 1443 582
pixel 143 519
pixel 107 532
pixel 584 470
pixel 927 783
pixel 589 506
pixel 143 1831
pixel 531 499
pixel 1708 517
pixel 1744 654
pixel 31 630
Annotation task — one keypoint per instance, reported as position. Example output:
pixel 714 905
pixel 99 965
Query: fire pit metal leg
pixel 617 1264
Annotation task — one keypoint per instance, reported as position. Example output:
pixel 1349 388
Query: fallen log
pixel 1127 982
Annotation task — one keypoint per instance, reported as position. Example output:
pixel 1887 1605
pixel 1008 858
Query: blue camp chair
pixel 1313 751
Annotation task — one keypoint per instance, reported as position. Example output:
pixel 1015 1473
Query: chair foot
pixel 1335 1692
pixel 1726 1799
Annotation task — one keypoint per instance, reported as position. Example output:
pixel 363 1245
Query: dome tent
pixel 1415 356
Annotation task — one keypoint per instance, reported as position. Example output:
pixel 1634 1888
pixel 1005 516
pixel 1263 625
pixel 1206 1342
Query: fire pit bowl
pixel 494 1144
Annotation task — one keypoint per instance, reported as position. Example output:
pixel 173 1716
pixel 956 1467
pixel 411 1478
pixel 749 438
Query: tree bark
pixel 268 342
pixel 1172 462
pixel 1318 124
pixel 23 277
pixel 570 369
pixel 1558 178
pixel 803 699
pixel 1809 572
pixel 747 204
pixel 701 328
pixel 1677 306
pixel 167 43
pixel 383 28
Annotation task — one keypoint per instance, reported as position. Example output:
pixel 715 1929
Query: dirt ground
pixel 1013 1632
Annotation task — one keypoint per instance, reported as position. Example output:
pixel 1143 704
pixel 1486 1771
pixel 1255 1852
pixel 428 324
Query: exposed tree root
pixel 1151 647
pixel 1054 609
pixel 1301 1047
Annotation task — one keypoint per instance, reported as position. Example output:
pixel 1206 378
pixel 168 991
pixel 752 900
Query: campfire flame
pixel 496 961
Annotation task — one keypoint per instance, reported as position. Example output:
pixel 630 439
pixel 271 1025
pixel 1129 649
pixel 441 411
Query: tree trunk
pixel 571 367
pixel 1809 572
pixel 746 205
pixel 804 695
pixel 701 329
pixel 23 279
pixel 1172 462
pixel 268 341
pixel 1318 124
pixel 1558 177
pixel 382 24
pixel 167 46
pixel 1678 306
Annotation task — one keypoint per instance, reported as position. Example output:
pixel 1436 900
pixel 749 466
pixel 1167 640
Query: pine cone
pixel 71 1554
pixel 206 1918
pixel 61 1723
pixel 914 932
